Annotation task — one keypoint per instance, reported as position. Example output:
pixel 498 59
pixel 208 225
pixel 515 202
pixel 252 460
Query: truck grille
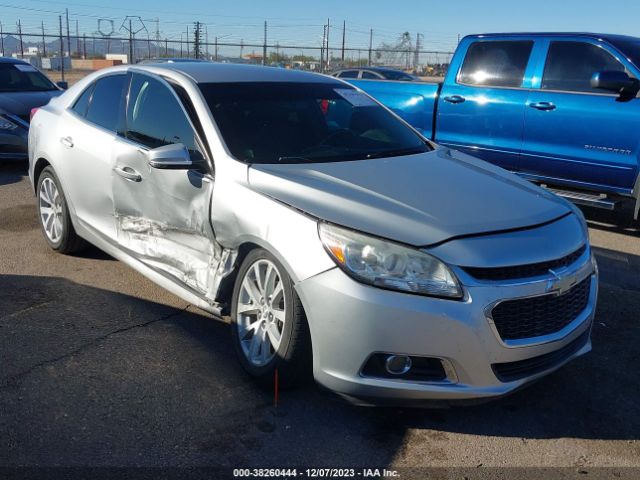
pixel 524 271
pixel 543 315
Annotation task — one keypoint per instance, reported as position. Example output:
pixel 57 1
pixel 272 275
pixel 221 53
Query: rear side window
pixel 80 107
pixel 570 66
pixel 105 106
pixel 155 117
pixel 348 74
pixel 496 63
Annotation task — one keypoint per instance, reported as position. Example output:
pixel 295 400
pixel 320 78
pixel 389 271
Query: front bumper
pixel 13 144
pixel 350 321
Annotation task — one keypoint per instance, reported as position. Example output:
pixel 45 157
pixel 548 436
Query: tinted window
pixel 155 117
pixel 349 74
pixel 631 49
pixel 105 106
pixel 22 77
pixel 570 66
pixel 80 107
pixel 497 64
pixel 370 75
pixel 401 76
pixel 300 123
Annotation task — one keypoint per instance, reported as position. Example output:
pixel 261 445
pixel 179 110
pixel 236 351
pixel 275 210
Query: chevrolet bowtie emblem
pixel 560 283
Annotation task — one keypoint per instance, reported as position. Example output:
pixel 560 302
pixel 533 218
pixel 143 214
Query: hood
pixel 419 199
pixel 21 103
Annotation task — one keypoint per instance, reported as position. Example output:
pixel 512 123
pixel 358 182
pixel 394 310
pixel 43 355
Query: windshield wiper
pixel 395 153
pixel 293 159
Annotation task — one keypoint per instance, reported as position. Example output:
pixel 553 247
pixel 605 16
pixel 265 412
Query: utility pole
pixel 166 47
pixel 188 49
pixel 130 43
pixel 84 46
pixel 328 54
pixel 68 35
pixel 206 41
pixel 77 38
pixel 215 49
pixel 157 37
pixel 61 50
pixel 132 34
pixel 241 46
pixel 1 41
pixel 44 43
pixel 324 39
pixel 20 35
pixel 264 45
pixel 344 29
pixel 180 45
pixel 416 56
pixel 197 40
pixel 370 44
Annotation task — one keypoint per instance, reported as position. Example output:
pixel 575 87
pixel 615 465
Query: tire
pixel 292 358
pixel 53 215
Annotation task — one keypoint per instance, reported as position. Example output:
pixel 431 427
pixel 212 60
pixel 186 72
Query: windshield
pixel 306 122
pixel 631 49
pixel 21 77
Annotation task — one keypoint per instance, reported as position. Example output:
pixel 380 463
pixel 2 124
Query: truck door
pixel 575 134
pixel 481 106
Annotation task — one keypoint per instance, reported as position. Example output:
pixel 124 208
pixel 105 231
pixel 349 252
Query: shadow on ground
pixel 12 171
pixel 93 377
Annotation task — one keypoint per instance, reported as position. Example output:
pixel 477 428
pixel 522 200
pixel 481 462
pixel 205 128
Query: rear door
pixel 481 106
pixel 87 135
pixel 575 134
pixel 162 215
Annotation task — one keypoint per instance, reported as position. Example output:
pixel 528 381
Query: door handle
pixel 454 99
pixel 546 106
pixel 128 173
pixel 67 142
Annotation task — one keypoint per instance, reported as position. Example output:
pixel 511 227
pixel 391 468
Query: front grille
pixel 508 372
pixel 524 271
pixel 537 316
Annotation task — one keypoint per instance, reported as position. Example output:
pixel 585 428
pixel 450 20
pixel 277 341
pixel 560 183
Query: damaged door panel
pixel 162 214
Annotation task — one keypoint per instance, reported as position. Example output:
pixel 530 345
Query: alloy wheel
pixel 51 210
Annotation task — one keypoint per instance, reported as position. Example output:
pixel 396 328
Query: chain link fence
pixel 84 53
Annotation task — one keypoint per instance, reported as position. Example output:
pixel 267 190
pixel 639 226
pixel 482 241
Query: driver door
pixel 162 214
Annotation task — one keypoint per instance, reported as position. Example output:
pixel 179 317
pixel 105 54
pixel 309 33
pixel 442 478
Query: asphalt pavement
pixel 101 367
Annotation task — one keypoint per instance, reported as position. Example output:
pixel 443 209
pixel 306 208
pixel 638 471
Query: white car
pixel 339 239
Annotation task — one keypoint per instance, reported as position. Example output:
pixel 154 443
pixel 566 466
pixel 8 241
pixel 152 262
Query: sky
pixel 298 22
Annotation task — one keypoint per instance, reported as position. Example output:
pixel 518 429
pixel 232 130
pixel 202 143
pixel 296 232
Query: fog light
pixel 397 364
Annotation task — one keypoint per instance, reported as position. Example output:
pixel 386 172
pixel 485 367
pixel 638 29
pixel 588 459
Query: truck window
pixel 570 66
pixel 496 63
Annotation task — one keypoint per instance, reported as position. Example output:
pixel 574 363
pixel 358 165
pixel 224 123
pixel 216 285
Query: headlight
pixel 6 124
pixel 388 265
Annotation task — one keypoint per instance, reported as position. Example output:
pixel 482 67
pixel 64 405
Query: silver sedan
pixel 341 242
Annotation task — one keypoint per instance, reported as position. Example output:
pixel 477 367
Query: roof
pixel 613 38
pixel 11 60
pixel 209 72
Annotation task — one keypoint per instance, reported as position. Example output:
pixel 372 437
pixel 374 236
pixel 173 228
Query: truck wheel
pixel 269 326
pixel 54 217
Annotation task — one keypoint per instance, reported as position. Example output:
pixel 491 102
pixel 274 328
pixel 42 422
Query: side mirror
pixel 618 82
pixel 174 156
pixel 63 85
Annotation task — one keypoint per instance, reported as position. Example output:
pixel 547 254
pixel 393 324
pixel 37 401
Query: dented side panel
pixel 163 220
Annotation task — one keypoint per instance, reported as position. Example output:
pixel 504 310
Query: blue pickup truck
pixel 561 110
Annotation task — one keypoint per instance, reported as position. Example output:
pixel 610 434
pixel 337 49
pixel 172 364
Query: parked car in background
pixel 375 73
pixel 14 133
pixel 559 109
pixel 339 240
pixel 22 88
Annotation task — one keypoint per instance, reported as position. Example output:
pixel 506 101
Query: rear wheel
pixel 269 326
pixel 54 217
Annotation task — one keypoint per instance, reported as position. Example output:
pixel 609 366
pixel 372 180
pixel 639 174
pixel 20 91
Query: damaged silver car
pixel 340 241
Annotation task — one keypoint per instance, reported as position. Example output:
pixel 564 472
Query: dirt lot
pixel 100 367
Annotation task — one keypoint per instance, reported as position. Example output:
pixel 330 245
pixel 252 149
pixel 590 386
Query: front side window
pixel 22 77
pixel 104 109
pixel 306 122
pixel 366 74
pixel 496 63
pixel 155 117
pixel 348 74
pixel 570 66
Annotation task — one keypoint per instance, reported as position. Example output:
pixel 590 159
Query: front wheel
pixel 269 326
